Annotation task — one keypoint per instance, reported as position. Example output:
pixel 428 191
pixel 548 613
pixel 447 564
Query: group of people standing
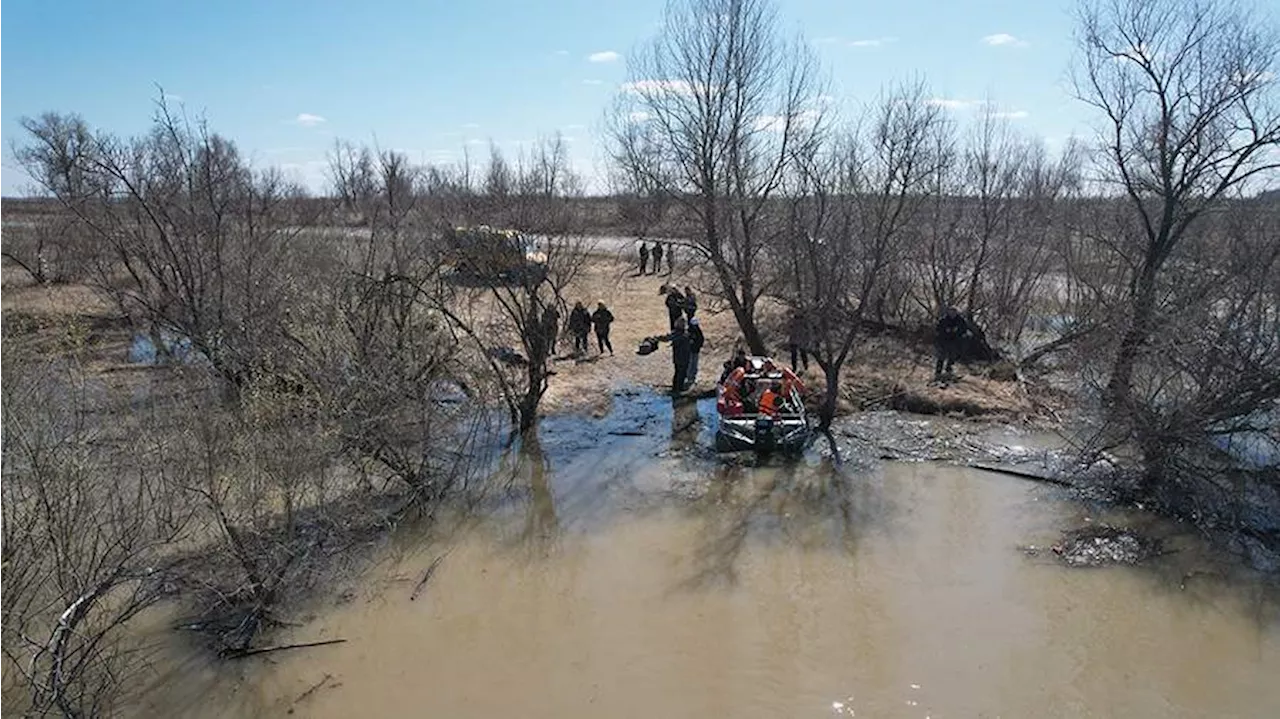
pixel 656 253
pixel 580 324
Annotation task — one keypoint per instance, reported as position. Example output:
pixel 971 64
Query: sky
pixel 284 79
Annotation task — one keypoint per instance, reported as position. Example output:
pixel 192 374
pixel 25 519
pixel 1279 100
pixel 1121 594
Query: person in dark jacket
pixel 680 351
pixel 602 318
pixel 949 336
pixel 739 360
pixel 671 258
pixel 690 303
pixel 551 328
pixel 657 257
pixel 798 340
pixel 696 340
pixel 644 258
pixel 579 327
pixel 675 306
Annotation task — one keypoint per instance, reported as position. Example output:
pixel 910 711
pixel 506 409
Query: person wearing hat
pixel 601 319
pixel 696 339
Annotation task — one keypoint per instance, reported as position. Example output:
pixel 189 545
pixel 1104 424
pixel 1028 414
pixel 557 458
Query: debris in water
pixel 1100 544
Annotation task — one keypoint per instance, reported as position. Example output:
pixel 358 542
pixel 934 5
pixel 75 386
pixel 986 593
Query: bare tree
pixel 1187 96
pixel 88 532
pixel 516 309
pixel 727 104
pixel 196 243
pixel 853 205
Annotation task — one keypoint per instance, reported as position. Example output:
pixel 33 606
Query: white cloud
pixel 778 123
pixel 603 56
pixel 657 87
pixel 593 82
pixel 1004 39
pixel 306 119
pixel 1011 115
pixel 474 141
pixel 872 42
pixel 953 104
pixel 639 117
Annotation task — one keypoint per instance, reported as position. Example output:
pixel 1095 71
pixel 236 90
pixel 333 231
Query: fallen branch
pixel 627 433
pixel 268 650
pixel 426 576
pixel 998 469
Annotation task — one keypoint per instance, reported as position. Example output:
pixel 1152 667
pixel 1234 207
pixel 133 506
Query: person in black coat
pixel 949 335
pixel 602 318
pixel 657 257
pixel 690 303
pixel 675 306
pixel 696 340
pixel 680 355
pixel 551 327
pixel 644 258
pixel 579 327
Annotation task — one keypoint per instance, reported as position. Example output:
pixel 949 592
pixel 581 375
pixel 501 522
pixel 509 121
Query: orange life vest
pixel 768 402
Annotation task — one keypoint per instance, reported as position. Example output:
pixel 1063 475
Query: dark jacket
pixel 657 249
pixel 675 303
pixel 798 332
pixel 951 329
pixel 602 318
pixel 696 339
pixel 680 347
pixel 690 303
pixel 579 321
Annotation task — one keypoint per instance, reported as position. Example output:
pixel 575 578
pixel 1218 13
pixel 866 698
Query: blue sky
pixel 284 78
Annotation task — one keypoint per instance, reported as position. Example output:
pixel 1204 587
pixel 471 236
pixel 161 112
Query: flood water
pixel 636 576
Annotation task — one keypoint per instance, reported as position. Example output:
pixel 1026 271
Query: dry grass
pixel 883 373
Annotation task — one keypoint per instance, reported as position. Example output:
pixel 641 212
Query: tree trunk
pixel 1120 383
pixel 747 323
pixel 827 412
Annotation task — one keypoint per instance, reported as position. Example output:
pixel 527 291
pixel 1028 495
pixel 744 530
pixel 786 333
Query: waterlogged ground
pixel 624 571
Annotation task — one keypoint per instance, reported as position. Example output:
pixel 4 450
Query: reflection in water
pixel 685 422
pixel 541 526
pixel 785 589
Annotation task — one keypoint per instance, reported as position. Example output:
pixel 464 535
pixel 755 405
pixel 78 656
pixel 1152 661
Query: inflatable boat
pixel 761 408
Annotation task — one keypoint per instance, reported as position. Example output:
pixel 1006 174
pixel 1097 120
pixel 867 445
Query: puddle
pixel 143 349
pixel 629 575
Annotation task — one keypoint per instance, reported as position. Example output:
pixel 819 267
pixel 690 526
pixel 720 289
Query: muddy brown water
pixel 625 576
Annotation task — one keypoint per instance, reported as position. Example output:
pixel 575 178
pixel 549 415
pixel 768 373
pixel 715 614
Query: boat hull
pixel 756 434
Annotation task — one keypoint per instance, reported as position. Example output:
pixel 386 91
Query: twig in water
pixel 313 689
pixel 1019 473
pixel 426 576
pixel 251 652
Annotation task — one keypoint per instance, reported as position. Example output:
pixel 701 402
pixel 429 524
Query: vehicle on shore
pixel 761 408
pixel 487 253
